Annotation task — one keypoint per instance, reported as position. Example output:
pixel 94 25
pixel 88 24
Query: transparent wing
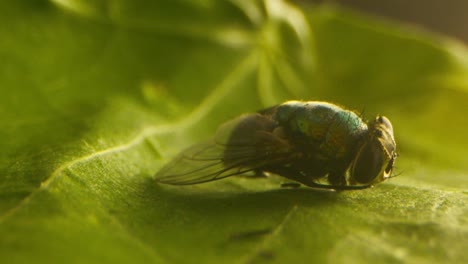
pixel 244 144
pixel 202 163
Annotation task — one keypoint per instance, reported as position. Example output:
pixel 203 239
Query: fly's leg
pixel 309 181
pixel 342 187
pixel 337 178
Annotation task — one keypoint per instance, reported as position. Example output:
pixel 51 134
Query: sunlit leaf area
pixel 96 96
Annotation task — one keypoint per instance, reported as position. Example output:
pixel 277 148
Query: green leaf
pixel 98 95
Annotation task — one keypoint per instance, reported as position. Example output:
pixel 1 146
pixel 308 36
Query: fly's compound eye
pixel 368 163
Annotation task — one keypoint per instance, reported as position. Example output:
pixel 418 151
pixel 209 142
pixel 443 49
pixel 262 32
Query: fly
pixel 317 144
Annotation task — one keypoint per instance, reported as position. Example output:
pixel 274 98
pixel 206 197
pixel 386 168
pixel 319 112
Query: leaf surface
pixel 98 95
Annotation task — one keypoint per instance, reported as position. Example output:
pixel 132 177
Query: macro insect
pixel 317 144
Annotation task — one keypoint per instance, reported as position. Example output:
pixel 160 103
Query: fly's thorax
pixel 327 127
pixel 344 134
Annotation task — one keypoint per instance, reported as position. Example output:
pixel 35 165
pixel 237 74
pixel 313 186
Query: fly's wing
pixel 197 164
pixel 244 144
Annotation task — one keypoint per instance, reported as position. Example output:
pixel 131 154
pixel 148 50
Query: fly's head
pixel 376 156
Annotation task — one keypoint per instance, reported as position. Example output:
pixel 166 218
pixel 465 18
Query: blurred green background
pixel 97 95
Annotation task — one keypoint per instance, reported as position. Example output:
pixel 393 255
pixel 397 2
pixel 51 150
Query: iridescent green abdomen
pixel 324 126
